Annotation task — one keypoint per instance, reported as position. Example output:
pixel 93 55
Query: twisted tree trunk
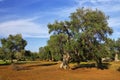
pixel 65 62
pixel 99 63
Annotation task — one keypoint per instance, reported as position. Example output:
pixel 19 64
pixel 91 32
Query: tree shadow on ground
pixel 91 65
pixel 17 67
pixel 29 67
pixel 42 64
pixel 118 69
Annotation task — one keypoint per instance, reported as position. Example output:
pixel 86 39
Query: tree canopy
pixel 84 35
pixel 12 45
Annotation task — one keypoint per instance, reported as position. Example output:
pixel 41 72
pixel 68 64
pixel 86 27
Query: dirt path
pixel 52 72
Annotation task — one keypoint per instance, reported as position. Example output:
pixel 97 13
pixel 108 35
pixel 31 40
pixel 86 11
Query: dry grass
pixel 114 66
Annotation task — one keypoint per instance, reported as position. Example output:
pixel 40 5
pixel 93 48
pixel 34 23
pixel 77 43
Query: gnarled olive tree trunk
pixel 99 63
pixel 65 62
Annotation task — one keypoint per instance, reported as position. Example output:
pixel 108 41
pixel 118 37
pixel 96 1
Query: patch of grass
pixel 4 62
pixel 1 62
pixel 115 66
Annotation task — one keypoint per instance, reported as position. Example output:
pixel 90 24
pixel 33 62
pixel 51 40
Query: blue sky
pixel 30 17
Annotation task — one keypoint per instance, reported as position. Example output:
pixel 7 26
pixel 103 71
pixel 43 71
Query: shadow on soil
pixel 19 67
pixel 92 65
pixel 118 69
pixel 43 64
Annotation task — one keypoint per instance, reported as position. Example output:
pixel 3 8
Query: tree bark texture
pixel 65 62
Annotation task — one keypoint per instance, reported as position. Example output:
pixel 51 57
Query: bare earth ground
pixel 40 71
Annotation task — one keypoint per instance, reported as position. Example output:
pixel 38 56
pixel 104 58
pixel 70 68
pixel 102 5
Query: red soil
pixel 37 71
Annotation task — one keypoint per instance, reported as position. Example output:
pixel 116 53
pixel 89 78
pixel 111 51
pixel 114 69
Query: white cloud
pixel 105 5
pixel 115 35
pixel 114 22
pixel 110 7
pixel 1 0
pixel 26 27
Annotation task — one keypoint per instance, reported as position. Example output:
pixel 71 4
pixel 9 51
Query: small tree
pixel 13 44
pixel 45 53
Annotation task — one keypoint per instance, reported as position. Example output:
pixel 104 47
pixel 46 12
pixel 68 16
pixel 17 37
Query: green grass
pixel 4 63
pixel 1 62
pixel 24 62
pixel 16 62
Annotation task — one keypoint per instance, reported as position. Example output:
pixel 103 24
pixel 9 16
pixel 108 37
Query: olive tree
pixel 12 45
pixel 85 33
